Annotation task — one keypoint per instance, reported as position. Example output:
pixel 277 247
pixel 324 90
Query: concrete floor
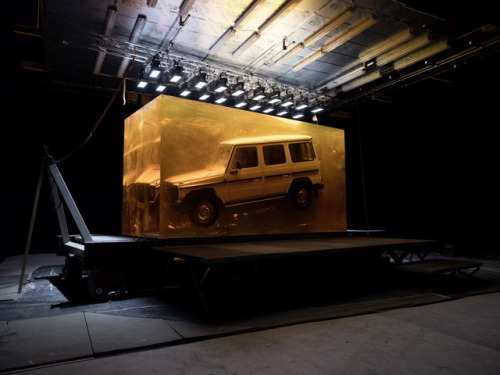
pixel 407 330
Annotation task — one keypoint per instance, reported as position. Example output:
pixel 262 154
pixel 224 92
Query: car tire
pixel 204 211
pixel 301 196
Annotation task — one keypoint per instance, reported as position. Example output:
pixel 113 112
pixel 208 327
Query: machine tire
pixel 204 211
pixel 301 196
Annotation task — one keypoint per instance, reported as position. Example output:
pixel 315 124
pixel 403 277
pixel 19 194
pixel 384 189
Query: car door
pixel 276 170
pixel 245 176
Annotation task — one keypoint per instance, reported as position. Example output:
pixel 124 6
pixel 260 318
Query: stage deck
pixel 202 259
pixel 397 248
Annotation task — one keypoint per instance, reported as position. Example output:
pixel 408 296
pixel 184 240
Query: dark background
pixel 422 164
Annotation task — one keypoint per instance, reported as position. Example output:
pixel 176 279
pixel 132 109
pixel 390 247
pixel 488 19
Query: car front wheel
pixel 204 212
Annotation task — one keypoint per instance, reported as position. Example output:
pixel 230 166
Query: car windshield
pixel 220 157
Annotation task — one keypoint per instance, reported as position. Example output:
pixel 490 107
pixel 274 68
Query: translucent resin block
pixel 194 169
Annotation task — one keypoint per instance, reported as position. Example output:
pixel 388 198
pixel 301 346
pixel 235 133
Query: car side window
pixel 245 157
pixel 274 154
pixel 301 152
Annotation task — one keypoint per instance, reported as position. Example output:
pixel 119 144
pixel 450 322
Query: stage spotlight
pixel 176 73
pixel 142 80
pixel 287 100
pixel 155 70
pixel 203 95
pixel 255 107
pixel 221 85
pixel 297 114
pixel 301 104
pixel 200 80
pixel 268 109
pixel 185 90
pixel 240 103
pixel 274 97
pixel 258 93
pixel 282 111
pixel 317 108
pixel 161 87
pixel 220 99
pixel 238 88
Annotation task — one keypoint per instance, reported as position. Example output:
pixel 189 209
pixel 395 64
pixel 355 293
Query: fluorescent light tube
pixel 349 76
pixel 186 7
pixel 308 60
pixel 246 44
pixel 403 49
pixel 338 40
pixel 421 54
pixel 286 8
pixel 349 33
pixel 367 78
pixel 344 16
pixel 385 45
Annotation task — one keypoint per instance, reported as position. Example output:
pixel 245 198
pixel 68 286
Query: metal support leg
pixel 70 203
pixel 198 283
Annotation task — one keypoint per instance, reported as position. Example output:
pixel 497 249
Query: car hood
pixel 202 176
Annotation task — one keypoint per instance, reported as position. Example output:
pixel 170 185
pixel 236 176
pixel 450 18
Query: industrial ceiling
pixel 326 52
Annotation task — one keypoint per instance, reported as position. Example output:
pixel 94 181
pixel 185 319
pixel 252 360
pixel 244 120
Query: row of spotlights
pixel 223 92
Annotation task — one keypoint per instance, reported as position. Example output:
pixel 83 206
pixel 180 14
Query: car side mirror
pixel 235 169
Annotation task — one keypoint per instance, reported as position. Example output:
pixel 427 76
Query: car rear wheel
pixel 301 196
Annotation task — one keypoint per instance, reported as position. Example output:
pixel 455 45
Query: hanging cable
pixel 98 122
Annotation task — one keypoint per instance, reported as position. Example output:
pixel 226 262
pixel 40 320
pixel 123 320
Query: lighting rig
pixel 179 76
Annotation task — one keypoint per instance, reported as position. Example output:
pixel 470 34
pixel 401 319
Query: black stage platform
pixel 262 272
pixel 304 265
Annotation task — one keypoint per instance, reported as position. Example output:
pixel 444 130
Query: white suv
pixel 248 170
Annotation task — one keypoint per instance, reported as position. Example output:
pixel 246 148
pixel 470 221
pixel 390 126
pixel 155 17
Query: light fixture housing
pixel 221 85
pixel 176 73
pixel 337 40
pixel 317 108
pixel 332 25
pixel 246 44
pixel 348 76
pixel 386 45
pixel 238 88
pixel 421 54
pixel 186 7
pixel 403 49
pixel 274 97
pixel 142 80
pixel 240 103
pixel 184 90
pixel 220 99
pixel 258 93
pixel 301 104
pixel 160 88
pixel 204 95
pixel 281 111
pixel 287 100
pixel 308 60
pixel 363 80
pixel 268 109
pixel 200 80
pixel 155 69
